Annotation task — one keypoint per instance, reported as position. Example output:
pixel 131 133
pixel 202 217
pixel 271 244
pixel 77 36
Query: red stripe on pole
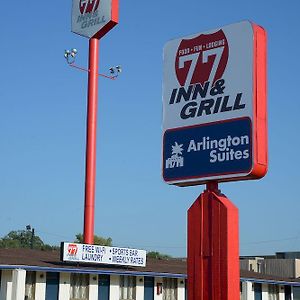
pixel 90 175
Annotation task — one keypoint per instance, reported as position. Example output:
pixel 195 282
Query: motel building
pixel 33 274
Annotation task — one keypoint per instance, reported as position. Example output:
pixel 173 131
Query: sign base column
pixel 213 247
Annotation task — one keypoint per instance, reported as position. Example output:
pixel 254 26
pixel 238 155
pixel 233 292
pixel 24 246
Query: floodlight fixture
pixel 70 55
pixel 119 69
pixel 114 71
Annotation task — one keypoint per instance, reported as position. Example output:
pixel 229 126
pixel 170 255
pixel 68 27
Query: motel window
pixel 241 289
pixel 79 286
pixel 273 292
pixel 296 293
pixel 127 288
pixel 169 288
pixel 30 285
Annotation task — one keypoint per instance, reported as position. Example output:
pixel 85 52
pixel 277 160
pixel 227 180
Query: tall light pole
pixel 91 130
pixel 91 139
pixel 102 16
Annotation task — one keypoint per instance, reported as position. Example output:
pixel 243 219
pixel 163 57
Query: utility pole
pixel 29 228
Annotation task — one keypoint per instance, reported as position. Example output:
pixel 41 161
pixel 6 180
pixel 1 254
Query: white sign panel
pixel 208 77
pixel 90 16
pixel 86 253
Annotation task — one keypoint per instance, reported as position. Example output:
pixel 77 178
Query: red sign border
pixel 112 23
pixel 259 122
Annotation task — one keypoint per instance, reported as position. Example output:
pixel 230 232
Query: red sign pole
pixel 213 247
pixel 90 173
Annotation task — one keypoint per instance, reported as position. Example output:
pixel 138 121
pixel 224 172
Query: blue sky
pixel 43 117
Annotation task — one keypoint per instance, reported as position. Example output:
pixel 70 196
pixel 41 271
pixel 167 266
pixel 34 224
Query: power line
pixel 184 247
pixel 271 241
pixel 53 234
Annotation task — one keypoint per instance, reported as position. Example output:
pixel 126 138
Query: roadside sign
pixel 86 253
pixel 214 106
pixel 94 18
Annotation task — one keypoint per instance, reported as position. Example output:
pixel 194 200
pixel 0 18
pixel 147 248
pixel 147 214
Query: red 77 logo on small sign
pixel 88 6
pixel 72 249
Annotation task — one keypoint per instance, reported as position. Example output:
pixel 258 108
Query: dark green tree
pixel 21 239
pixel 98 240
pixel 24 239
pixel 158 255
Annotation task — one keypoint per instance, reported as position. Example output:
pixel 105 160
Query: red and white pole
pixel 91 142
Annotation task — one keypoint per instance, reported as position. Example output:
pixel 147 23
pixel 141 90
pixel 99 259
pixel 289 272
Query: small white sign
pixel 96 254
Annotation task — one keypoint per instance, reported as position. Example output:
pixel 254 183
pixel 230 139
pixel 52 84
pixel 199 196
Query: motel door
pixel 148 288
pixel 287 292
pixel 52 283
pixel 257 291
pixel 103 287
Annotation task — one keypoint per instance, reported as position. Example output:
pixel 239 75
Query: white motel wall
pixel 14 286
pixel 37 275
